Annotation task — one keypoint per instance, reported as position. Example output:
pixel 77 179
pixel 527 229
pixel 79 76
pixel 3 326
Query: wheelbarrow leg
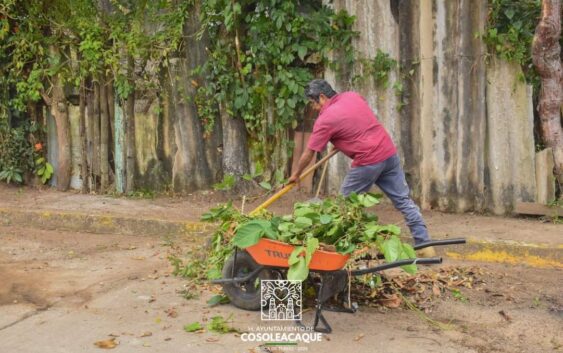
pixel 319 317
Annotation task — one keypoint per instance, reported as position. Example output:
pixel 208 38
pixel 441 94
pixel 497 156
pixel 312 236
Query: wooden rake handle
pixel 288 187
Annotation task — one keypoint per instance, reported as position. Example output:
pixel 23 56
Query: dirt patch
pixel 96 285
pixel 192 206
pixel 43 268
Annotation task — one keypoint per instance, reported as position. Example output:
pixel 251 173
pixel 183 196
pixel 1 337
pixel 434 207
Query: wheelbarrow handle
pixel 439 242
pixel 421 261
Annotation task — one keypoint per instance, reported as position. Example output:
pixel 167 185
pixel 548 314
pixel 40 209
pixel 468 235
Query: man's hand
pixel 294 178
pixel 304 161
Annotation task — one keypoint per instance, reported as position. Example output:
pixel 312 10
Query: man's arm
pixel 304 161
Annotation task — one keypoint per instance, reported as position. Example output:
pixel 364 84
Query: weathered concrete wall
pixel 379 29
pixel 452 99
pixel 510 152
pixel 545 180
pixel 466 144
pixel 463 129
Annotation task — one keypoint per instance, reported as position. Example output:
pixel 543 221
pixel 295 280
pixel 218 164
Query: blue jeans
pixel 390 178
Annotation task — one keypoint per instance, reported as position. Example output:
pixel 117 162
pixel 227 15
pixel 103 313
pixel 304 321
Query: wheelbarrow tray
pixel 274 253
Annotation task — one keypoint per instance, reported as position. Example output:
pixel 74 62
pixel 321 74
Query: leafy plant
pixel 11 174
pixel 261 56
pixel 456 293
pixel 510 30
pixel 218 299
pixel 193 327
pixel 16 153
pixel 340 222
pixel 43 169
pixel 378 67
pixel 219 324
pixel 227 183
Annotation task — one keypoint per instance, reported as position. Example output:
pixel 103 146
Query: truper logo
pixel 274 253
pixel 280 300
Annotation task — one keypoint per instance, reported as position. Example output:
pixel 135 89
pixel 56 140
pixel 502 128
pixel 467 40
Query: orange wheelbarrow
pixel 268 260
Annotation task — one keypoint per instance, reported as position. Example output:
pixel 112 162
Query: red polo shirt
pixel 347 121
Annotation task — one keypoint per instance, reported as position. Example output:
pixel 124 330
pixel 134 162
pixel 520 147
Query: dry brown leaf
pixel 107 344
pixel 394 301
pixel 212 339
pixel 359 337
pixel 171 312
pixel 146 334
pixel 436 290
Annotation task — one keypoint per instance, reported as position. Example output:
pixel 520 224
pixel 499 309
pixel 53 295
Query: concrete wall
pixel 465 135
pixel 464 132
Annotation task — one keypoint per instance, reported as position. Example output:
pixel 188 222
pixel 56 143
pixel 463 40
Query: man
pixel 347 121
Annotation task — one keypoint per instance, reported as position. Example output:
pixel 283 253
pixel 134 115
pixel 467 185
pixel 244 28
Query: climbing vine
pixel 261 56
pixel 510 30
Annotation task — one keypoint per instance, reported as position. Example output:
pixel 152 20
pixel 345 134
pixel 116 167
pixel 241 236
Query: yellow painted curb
pixel 511 252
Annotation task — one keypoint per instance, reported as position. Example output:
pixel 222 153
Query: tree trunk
pixel 103 135
pixel 96 136
pixel 59 110
pixel 90 135
pixel 111 116
pixel 130 129
pixel 547 59
pixel 83 140
pixel 235 149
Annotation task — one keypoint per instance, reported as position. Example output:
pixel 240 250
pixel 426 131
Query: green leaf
pixel 312 245
pixel 298 271
pixel 218 299
pixel 392 248
pixel 213 273
pixel 408 253
pixel 193 327
pixel 369 200
pixel 295 255
pixel 303 222
pixel 266 185
pixel 325 219
pixel 248 234
pixel 219 324
pixel 301 52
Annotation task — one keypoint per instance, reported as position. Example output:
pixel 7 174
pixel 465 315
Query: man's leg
pixel 393 183
pixel 361 179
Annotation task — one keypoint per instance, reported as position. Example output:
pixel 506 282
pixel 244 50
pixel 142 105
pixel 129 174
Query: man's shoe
pixel 426 252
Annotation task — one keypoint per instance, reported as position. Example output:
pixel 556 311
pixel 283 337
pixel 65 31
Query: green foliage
pixel 10 174
pixel 80 40
pixel 43 169
pixel 379 68
pixel 261 56
pixel 218 299
pixel 219 324
pixel 510 31
pixel 456 293
pixel 227 183
pixel 16 153
pixel 193 327
pixel 341 222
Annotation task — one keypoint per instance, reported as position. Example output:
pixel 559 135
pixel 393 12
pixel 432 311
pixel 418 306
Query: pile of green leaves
pixel 341 223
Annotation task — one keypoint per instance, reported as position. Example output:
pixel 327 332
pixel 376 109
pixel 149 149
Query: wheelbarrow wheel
pixel 245 295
